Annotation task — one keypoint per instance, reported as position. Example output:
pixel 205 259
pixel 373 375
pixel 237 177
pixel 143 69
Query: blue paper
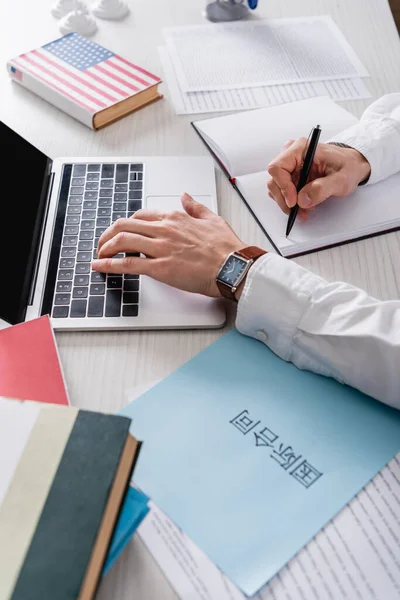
pixel 225 440
pixel 132 514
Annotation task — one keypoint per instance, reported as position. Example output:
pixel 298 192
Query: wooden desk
pixel 100 368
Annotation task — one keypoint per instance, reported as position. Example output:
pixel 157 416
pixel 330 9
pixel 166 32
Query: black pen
pixel 309 152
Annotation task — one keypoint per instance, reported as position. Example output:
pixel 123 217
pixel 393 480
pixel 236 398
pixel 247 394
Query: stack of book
pixel 66 506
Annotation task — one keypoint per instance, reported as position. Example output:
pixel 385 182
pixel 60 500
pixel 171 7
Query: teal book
pixel 133 511
pixel 251 457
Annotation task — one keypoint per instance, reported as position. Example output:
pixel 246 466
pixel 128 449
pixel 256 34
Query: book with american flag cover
pixel 85 80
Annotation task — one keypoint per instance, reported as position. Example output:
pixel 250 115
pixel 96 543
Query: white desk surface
pixel 101 367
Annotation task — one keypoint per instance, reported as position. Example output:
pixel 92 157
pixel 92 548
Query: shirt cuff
pixel 276 294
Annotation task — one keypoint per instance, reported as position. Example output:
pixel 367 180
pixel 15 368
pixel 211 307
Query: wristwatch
pixel 235 268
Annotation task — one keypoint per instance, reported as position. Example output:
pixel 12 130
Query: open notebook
pixel 244 144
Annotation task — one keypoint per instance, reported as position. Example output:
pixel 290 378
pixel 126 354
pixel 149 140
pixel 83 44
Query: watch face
pixel 232 270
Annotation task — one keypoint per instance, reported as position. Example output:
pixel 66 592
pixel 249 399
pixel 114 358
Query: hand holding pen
pixel 335 171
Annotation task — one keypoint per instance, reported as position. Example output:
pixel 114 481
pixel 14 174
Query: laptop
pixel 52 217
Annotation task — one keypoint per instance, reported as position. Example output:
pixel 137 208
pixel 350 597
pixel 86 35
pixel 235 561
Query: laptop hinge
pixel 50 177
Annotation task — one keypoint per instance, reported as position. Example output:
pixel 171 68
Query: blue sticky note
pixel 251 456
pixel 132 514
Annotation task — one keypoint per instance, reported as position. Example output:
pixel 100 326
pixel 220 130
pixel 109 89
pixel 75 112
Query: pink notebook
pixel 30 367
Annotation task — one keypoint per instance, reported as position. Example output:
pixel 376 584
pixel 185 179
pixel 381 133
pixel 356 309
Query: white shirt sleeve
pixel 333 329
pixel 377 137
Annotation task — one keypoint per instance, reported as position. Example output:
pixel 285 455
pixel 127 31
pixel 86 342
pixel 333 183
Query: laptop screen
pixel 24 171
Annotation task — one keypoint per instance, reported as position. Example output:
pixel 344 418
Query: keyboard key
pixel 80 280
pixel 84 257
pixel 120 197
pixel 91 195
pixel 93 177
pixel 113 303
pixel 121 173
pixel 85 246
pixel 134 205
pixel 100 231
pixel 136 167
pixel 114 282
pixel 78 308
pixel 119 207
pixel 97 277
pixel 130 310
pixel 107 171
pixel 78 181
pixel 140 176
pixel 96 306
pixel 75 200
pixel 89 204
pixel 121 187
pixel 105 202
pixel 97 288
pixel 74 210
pixel 104 212
pixel 80 292
pixel 65 252
pixel 133 176
pixel 107 183
pixel 118 215
pixel 135 185
pixel 135 195
pixel 89 214
pixel 93 168
pixel 92 185
pixel 65 274
pixel 130 276
pixel 130 213
pixel 87 224
pixel 87 234
pixel 131 285
pixel 105 193
pixel 64 286
pixel 76 190
pixel 95 256
pixel 71 230
pixel 96 242
pixel 103 222
pixel 130 297
pixel 70 240
pixel 62 299
pixel 82 268
pixel 60 312
pixel 67 263
pixel 79 171
pixel 73 220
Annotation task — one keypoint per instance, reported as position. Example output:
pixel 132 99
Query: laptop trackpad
pixel 169 203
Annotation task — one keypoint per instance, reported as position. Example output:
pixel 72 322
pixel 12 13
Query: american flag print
pixel 85 72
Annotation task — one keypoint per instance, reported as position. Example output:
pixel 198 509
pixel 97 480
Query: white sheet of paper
pixel 186 103
pixel 257 53
pixel 355 556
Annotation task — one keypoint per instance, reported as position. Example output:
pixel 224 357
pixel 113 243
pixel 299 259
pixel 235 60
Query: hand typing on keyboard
pixel 182 249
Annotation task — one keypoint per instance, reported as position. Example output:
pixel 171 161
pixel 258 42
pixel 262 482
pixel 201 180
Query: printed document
pixel 355 556
pixel 255 97
pixel 258 53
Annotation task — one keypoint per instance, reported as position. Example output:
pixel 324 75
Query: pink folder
pixel 30 367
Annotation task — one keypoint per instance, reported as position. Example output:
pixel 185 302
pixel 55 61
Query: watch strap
pixel 251 252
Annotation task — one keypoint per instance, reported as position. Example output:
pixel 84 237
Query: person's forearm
pixel 330 328
pixel 377 137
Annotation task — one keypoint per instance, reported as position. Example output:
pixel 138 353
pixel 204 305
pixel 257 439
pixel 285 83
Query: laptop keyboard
pixel 99 194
